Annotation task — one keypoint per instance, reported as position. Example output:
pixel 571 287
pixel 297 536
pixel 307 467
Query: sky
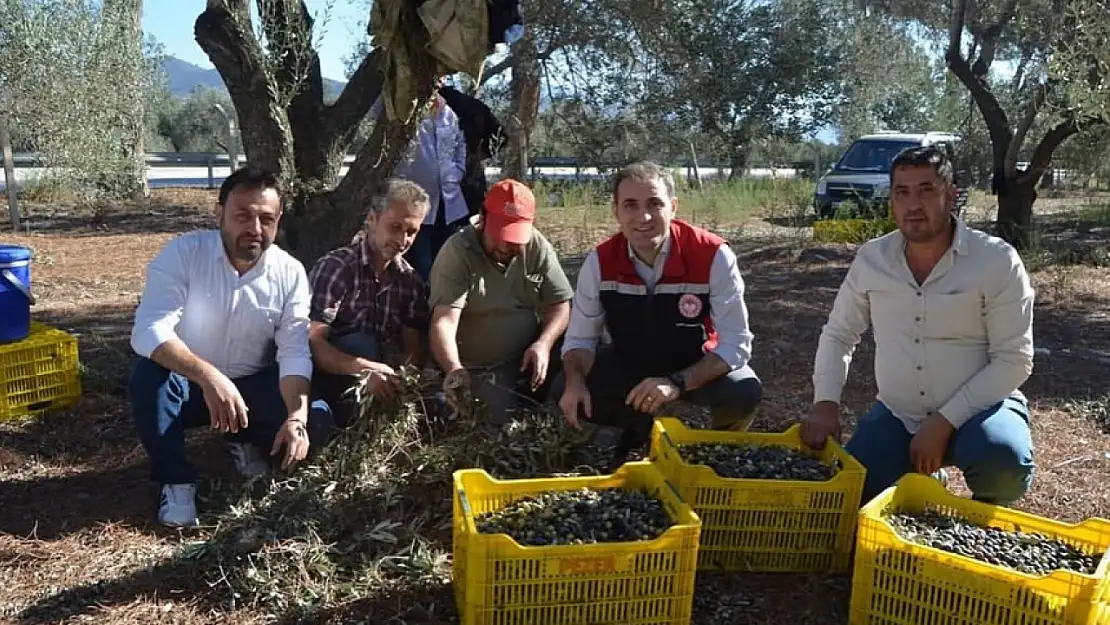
pixel 340 24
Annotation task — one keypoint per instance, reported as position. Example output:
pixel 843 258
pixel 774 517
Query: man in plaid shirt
pixel 369 306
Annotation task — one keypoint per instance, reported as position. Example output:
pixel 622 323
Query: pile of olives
pixel 579 517
pixel 1035 554
pixel 761 462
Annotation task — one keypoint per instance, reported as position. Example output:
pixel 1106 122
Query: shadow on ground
pixel 173 578
pixel 792 221
pixel 155 217
pixel 103 489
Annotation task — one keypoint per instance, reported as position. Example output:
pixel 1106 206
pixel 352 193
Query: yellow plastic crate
pixel 500 582
pixel 897 582
pixel 764 525
pixel 39 373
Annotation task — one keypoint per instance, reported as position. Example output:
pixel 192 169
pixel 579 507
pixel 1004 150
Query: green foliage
pixel 73 76
pixel 743 70
pixel 855 231
pixel 890 82
pixel 193 124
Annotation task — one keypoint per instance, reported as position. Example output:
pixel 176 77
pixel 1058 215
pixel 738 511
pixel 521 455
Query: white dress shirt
pixel 238 324
pixel 959 343
pixel 727 309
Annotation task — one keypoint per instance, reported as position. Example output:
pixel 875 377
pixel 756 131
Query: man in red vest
pixel 672 299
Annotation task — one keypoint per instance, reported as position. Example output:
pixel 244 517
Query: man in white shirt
pixel 222 335
pixel 951 309
pixel 671 296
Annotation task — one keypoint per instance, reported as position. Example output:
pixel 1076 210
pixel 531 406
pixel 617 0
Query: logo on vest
pixel 689 305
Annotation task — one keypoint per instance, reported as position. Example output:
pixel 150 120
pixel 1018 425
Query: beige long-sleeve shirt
pixel 958 343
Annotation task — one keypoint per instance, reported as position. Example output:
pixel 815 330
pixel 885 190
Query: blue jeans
pixel 994 450
pixel 164 404
pixel 429 241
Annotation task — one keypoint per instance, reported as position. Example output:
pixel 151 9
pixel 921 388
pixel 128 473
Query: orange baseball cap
pixel 510 211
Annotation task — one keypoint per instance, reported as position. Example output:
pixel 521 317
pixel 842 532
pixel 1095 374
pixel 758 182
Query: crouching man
pixel 369 306
pixel 672 298
pixel 500 305
pixel 951 310
pixel 222 337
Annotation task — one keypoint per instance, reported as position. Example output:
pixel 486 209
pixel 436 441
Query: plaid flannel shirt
pixel 348 296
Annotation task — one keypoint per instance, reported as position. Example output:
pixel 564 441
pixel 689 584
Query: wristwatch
pixel 679 380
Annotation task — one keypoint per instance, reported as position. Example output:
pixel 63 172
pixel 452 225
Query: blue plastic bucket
pixel 15 293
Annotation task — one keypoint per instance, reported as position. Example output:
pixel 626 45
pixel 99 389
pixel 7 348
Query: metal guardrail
pixel 211 160
pixel 201 159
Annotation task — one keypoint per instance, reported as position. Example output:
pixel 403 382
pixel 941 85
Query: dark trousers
pixel 164 404
pixel 732 398
pixel 331 386
pixel 503 387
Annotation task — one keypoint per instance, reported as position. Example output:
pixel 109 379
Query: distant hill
pixel 183 77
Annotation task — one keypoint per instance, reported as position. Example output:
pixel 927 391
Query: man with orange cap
pixel 500 304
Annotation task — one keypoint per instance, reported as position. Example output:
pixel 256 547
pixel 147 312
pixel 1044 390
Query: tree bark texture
pixel 1016 190
pixel 287 127
pixel 1015 212
pixel 126 18
pixel 524 104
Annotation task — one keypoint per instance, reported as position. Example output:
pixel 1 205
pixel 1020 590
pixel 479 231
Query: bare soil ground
pixel 79 540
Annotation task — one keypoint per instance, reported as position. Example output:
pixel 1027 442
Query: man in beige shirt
pixel 951 309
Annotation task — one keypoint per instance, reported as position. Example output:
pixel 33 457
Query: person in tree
pixel 671 296
pixel 222 337
pixel 951 309
pixel 369 306
pixel 484 138
pixel 500 304
pixel 437 161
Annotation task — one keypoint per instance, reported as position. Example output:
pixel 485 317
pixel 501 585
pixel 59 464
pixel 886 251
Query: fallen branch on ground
pixel 373 510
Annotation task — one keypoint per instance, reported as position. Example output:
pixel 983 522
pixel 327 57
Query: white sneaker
pixel 179 506
pixel 248 460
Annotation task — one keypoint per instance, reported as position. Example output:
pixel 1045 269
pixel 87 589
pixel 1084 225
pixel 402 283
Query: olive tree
pixel 274 79
pixel 73 76
pixel 1060 53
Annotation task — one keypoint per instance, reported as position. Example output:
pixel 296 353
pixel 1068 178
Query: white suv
pixel 862 175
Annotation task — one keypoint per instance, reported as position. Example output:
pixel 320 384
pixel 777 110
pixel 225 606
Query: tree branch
pixel 372 167
pixel 356 99
pixel 288 27
pixel 998 124
pixel 497 68
pixel 1042 156
pixel 239 59
pixel 290 39
pixel 506 63
pixel 390 139
pixel 1034 107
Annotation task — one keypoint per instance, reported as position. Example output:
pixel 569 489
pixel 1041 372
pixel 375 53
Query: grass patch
pixel 576 217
